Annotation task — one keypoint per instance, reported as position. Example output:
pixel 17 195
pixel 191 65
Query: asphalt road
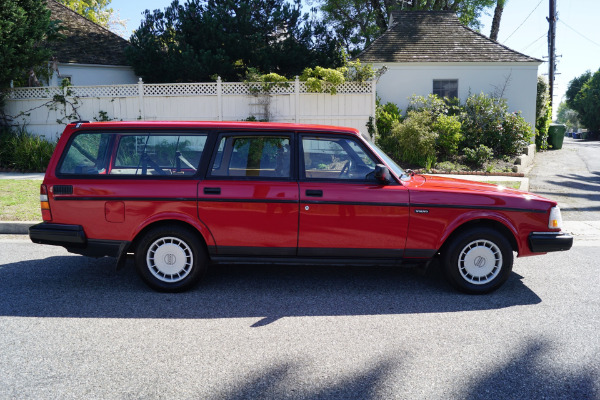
pixel 72 327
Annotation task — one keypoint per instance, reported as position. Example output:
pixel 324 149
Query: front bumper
pixel 545 242
pixel 72 237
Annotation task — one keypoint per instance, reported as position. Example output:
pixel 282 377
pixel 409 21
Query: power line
pixel 580 34
pixel 534 42
pixel 526 18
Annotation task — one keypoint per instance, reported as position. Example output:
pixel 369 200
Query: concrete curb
pixel 16 227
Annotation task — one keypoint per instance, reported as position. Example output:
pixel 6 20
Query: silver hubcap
pixel 169 259
pixel 480 262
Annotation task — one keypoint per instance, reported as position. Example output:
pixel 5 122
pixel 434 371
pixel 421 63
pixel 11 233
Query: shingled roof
pixel 86 42
pixel 436 36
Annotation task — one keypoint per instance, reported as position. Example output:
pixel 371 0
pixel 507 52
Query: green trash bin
pixel 556 135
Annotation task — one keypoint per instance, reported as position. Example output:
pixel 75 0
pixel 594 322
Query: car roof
pixel 227 125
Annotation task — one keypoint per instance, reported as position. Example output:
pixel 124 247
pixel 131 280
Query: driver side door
pixel 344 211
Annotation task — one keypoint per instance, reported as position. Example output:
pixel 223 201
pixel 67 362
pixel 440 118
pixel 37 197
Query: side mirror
pixel 382 174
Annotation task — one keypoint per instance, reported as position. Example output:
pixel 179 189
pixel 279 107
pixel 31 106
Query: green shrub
pixel 432 104
pixel 23 151
pixel 543 114
pixel 486 121
pixel 319 79
pixel 482 121
pixel 411 141
pixel 386 116
pixel 478 156
pixel 516 135
pixel 449 135
pixel 354 71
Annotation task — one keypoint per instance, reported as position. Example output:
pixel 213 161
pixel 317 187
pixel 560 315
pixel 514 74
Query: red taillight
pixel 45 204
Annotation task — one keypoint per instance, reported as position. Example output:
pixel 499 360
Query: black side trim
pixel 219 199
pixel 326 252
pixel 419 253
pixel 57 234
pixel 252 251
pixel 544 242
pixel 477 207
pixel 356 203
pixel 102 198
pixel 308 261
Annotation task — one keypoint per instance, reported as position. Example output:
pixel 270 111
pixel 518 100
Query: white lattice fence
pixel 281 102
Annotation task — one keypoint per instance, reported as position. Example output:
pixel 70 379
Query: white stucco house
pixel 89 53
pixel 432 52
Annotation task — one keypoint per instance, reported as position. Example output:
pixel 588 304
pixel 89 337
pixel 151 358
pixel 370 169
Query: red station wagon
pixel 183 195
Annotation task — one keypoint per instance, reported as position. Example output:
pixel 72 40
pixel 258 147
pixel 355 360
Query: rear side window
pixel 87 155
pixel 158 154
pixel 253 156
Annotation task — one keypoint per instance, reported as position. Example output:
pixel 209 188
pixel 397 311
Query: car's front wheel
pixel 478 260
pixel 171 259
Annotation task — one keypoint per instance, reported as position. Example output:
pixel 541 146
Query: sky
pixel 523 28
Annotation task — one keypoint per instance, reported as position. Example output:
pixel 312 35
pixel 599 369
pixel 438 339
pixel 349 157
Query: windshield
pixel 395 167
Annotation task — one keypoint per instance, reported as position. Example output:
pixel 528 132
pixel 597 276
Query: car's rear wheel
pixel 478 260
pixel 171 259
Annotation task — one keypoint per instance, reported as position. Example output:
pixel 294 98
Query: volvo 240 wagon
pixel 183 195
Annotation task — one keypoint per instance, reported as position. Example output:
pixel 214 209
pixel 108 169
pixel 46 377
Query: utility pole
pixel 551 48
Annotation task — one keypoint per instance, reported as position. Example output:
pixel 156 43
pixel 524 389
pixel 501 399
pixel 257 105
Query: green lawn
pixel 20 200
pixel 508 184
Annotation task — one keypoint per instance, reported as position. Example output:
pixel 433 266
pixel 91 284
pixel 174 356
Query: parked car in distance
pixel 182 195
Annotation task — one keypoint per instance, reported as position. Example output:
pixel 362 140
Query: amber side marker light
pixel 45 205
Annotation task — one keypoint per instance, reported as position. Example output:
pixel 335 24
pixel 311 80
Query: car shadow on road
pixel 82 287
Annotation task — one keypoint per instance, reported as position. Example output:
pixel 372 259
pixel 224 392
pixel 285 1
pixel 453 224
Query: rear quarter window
pixel 87 154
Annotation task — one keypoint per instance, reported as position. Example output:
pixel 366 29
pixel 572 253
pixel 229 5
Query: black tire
pixel 478 261
pixel 171 259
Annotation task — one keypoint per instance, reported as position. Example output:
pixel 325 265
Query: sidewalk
pixel 21 175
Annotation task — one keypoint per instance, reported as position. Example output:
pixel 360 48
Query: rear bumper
pixel 58 234
pixel 545 242
pixel 72 237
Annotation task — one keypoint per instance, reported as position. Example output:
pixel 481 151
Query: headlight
pixel 555 220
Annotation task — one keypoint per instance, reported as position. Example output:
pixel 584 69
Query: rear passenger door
pixel 249 199
pixel 344 211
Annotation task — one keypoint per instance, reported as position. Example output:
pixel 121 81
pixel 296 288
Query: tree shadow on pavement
pixel 82 287
pixel 527 376
pixel 281 382
pixel 573 186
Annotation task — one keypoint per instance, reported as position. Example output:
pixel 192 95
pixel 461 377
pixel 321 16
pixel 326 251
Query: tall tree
pixel 567 116
pixel 203 38
pixel 23 27
pixel 498 10
pixel 575 86
pixel 358 22
pixel 588 101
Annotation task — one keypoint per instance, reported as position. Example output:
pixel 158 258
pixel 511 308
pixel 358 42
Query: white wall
pixel 352 106
pixel 405 79
pixel 92 74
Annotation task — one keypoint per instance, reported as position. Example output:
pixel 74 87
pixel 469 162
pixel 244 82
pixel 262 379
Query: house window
pixel 445 88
